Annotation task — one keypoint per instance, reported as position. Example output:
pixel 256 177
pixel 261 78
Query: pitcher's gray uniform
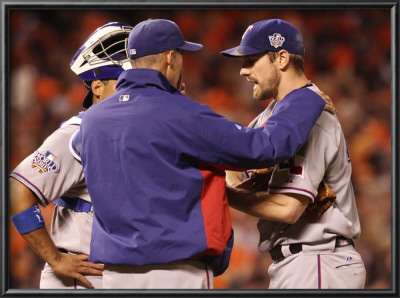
pixel 321 263
pixel 52 172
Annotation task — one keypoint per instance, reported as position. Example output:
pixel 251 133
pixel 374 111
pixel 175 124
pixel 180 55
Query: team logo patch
pixel 38 215
pixel 294 165
pixel 132 52
pixel 124 97
pixel 44 163
pixel 247 30
pixel 276 40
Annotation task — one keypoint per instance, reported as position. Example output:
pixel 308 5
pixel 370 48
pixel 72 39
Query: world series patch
pixel 44 163
pixel 276 40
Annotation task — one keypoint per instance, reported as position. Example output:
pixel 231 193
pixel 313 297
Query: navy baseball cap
pixel 156 36
pixel 268 35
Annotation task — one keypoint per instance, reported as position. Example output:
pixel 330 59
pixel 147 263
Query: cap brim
pixel 241 51
pixel 88 100
pixel 191 46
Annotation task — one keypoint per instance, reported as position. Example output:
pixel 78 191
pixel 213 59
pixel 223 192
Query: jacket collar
pixel 144 77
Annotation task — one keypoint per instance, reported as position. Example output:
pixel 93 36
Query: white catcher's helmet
pixel 102 56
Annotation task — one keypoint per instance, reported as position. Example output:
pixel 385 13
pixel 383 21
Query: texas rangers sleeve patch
pixel 294 165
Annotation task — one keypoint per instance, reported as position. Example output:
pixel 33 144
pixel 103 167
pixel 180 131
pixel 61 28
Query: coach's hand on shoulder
pixel 75 266
pixel 329 107
pixel 182 88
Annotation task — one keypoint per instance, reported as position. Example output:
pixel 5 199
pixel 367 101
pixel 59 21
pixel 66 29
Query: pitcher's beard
pixel 271 89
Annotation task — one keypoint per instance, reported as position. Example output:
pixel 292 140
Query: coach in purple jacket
pixel 153 161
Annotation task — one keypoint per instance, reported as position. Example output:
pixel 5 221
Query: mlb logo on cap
pixel 155 36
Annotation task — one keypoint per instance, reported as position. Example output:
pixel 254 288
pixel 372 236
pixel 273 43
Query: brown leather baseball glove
pixel 258 181
pixel 322 202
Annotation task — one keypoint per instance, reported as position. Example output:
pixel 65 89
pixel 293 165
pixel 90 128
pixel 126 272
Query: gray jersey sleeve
pixel 302 173
pixel 52 171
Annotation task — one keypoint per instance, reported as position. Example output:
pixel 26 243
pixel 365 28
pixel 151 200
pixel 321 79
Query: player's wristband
pixel 28 220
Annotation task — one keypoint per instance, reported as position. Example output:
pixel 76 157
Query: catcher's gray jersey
pixel 323 156
pixel 52 172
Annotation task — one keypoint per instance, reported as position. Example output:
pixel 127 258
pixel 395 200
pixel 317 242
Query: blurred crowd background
pixel 347 55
